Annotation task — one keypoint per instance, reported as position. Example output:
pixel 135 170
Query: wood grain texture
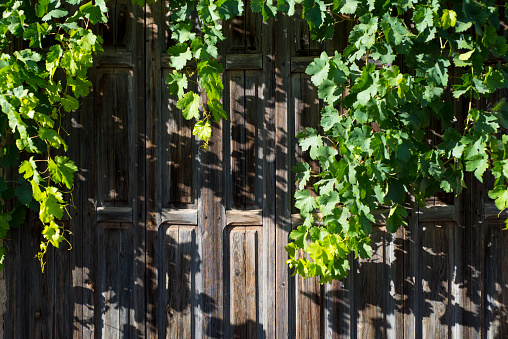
pixel 284 324
pixel 177 151
pixel 244 217
pixel 178 291
pixel 115 140
pixel 244 61
pixel 163 259
pixel 114 214
pixel 434 300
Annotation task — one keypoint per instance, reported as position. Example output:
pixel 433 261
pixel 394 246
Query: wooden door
pixel 172 240
pixel 210 212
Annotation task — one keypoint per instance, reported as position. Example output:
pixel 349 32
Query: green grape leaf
pixel 287 6
pixel 4 224
pixel 349 7
pixel 314 11
pixel 52 137
pixel 56 13
pixel 177 83
pixel 180 54
pixel 500 194
pixel 203 130
pixel 396 218
pixel 53 234
pixel 182 32
pixel 329 92
pixel 328 202
pixel 217 111
pixel 365 250
pixel 300 236
pixel 319 69
pixel 62 170
pixel 304 202
pixel 266 7
pixel 309 138
pixel 448 19
pixel 302 170
pixel 479 165
pixel 80 87
pixel 494 80
pixel 189 103
pixel 69 103
pixel 52 205
pixel 329 118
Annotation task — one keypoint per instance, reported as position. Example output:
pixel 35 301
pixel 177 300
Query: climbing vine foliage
pixel 407 63
pixel 47 50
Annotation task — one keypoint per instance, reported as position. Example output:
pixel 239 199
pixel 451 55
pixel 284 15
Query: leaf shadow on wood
pixel 412 285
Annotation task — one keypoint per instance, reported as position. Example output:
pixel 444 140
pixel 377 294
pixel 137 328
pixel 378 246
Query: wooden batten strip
pixel 299 64
pixel 244 217
pixel 436 213
pixel 491 211
pixel 114 214
pixel 179 216
pixel 244 61
pixel 114 59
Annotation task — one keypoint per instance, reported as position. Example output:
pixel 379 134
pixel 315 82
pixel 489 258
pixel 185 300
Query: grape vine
pixel 391 80
pixel 48 50
pixel 404 60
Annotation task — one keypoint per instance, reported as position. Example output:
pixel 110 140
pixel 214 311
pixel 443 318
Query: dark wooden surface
pixel 170 240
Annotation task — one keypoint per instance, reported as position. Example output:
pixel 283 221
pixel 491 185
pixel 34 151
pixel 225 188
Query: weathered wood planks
pixel 173 241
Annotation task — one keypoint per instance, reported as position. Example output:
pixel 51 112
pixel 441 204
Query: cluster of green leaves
pixel 196 29
pixel 48 50
pixel 378 152
pixel 404 60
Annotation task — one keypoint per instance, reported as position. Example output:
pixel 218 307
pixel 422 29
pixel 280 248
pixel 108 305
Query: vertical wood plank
pixel 400 278
pixel 137 194
pixel 156 40
pixel 309 322
pixel 88 182
pixel 253 27
pixel 64 291
pixel 434 301
pixel 177 151
pixel 238 279
pixel 186 238
pixel 109 284
pixel 173 276
pixel 372 294
pixel 127 287
pixel 284 316
pixel 122 140
pixel 338 310
pixel 115 95
pixel 412 276
pixel 300 34
pixel 211 222
pixel 179 255
pixel 253 150
pixel 237 114
pixel 251 283
pixel 75 319
pixel 235 34
pixel 495 282
pixel 107 100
